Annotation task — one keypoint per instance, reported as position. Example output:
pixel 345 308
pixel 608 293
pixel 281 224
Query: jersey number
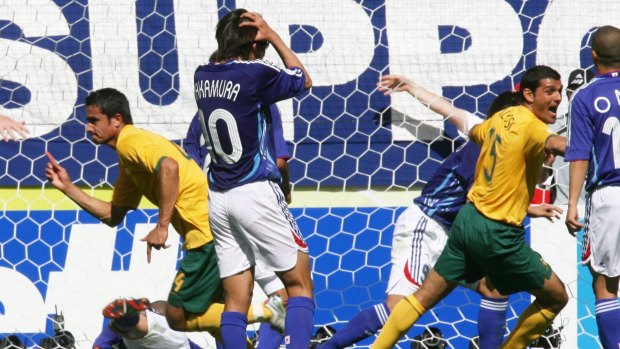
pixel 212 138
pixel 488 175
pixel 612 128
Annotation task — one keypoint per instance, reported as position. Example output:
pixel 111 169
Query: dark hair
pixel 504 100
pixel 111 102
pixel 234 41
pixel 606 44
pixel 533 76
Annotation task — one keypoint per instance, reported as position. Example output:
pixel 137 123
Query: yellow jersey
pixel 140 153
pixel 513 150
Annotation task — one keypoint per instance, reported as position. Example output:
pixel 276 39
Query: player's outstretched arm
pixel 11 129
pixel 440 105
pixel 266 33
pixel 58 176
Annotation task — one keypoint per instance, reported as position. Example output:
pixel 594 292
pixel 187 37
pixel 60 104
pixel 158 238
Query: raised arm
pixel 459 117
pixel 105 211
pixel 265 33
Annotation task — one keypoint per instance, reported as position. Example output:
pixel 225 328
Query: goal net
pixel 359 157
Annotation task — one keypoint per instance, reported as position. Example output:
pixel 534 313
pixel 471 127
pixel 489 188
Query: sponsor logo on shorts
pixel 299 240
pixel 409 276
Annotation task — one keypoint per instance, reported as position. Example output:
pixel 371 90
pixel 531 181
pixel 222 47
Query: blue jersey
pixel 195 147
pixel 233 99
pixel 594 131
pixel 444 195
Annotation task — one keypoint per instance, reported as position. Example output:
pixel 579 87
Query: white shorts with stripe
pixel 417 243
pixel 250 220
pixel 602 231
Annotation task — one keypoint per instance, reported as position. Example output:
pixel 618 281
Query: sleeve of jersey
pixel 277 84
pixel 280 145
pixel 125 193
pixel 536 133
pixel 478 133
pixel 580 131
pixel 191 144
pixel 142 151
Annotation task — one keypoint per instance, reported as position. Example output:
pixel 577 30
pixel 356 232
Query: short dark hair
pixel 111 101
pixel 606 44
pixel 504 100
pixel 234 41
pixel 533 76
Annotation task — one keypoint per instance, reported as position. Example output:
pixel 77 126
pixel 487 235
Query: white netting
pixel 358 156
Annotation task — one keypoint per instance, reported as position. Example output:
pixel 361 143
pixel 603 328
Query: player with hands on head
pixel 156 168
pixel 487 237
pixel 594 158
pixel 269 337
pixel 12 130
pixel 249 214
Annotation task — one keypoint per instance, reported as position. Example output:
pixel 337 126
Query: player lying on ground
pixel 154 167
pixel 487 237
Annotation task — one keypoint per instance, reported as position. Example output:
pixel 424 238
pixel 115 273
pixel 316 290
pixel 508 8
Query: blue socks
pixel 268 337
pixel 492 322
pixel 363 325
pixel 233 330
pixel 608 322
pixel 299 322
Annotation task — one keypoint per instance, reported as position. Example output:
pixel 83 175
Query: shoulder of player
pixel 136 138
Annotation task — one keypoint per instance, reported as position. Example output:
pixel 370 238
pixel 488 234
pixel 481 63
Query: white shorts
pixel 266 279
pixel 159 336
pixel 417 243
pixel 602 231
pixel 251 220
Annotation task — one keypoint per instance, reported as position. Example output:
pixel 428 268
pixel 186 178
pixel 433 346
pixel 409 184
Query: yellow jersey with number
pixel 140 154
pixel 511 158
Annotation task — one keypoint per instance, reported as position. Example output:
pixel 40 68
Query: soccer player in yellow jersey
pixel 487 238
pixel 154 167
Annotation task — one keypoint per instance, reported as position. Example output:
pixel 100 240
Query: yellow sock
pixel 210 319
pixel 405 314
pixel 207 321
pixel 531 324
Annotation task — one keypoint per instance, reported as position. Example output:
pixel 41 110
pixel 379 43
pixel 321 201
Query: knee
pixel 176 318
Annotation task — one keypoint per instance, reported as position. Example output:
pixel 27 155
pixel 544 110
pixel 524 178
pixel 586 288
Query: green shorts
pixel 479 246
pixel 197 284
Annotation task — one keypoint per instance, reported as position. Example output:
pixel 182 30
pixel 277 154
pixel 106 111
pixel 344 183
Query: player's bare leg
pixel 238 292
pixel 550 300
pixel 300 308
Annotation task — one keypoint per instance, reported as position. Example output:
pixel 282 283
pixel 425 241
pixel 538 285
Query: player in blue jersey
pixel 269 337
pixel 248 211
pixel 594 148
pixel 421 232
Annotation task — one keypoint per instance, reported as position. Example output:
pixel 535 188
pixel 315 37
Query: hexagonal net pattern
pixel 346 138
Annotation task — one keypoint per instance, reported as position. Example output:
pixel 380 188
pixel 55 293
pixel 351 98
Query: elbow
pixel 308 82
pixel 112 223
